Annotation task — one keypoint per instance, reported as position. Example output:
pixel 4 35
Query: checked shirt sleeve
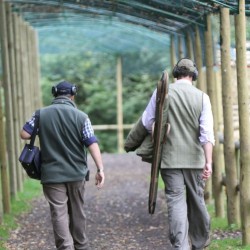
pixel 29 125
pixel 88 133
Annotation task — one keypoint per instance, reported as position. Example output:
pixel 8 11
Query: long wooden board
pixel 162 88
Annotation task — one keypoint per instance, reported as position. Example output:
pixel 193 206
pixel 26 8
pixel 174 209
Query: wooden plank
pixel 157 141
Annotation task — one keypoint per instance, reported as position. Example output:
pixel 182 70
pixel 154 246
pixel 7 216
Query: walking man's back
pixel 186 157
pixel 65 134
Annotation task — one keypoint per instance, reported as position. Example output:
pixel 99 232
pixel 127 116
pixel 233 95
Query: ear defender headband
pixel 64 88
pixel 187 64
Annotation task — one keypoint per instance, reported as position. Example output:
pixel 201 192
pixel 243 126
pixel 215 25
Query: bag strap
pixel 36 125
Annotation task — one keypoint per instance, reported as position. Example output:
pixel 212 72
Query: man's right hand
pixel 207 171
pixel 99 177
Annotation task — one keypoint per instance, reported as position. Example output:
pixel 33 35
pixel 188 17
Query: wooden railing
pixel 120 132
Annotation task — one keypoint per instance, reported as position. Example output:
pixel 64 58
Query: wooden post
pixel 7 98
pixel 19 100
pixel 211 90
pixel 233 209
pixel 173 55
pixel 190 49
pixel 24 77
pixel 180 47
pixel 217 75
pixel 29 85
pixel 13 83
pixel 3 162
pixel 19 66
pixel 243 102
pixel 32 68
pixel 120 135
pixel 36 71
pixel 37 62
pixel 198 59
pixel 220 199
pixel 3 151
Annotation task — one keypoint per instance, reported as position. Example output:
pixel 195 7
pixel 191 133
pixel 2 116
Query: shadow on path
pixel 117 215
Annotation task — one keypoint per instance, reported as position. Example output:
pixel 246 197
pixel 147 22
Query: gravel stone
pixel 117 214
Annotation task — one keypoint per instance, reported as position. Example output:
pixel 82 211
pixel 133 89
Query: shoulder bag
pixel 30 157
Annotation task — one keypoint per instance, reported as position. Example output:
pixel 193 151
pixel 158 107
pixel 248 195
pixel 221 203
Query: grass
pixel 19 205
pixel 220 224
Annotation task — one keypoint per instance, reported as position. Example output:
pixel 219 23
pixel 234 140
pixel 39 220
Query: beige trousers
pixel 68 218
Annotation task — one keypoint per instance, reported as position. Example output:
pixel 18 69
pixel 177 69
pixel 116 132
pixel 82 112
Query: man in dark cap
pixel 186 160
pixel 65 133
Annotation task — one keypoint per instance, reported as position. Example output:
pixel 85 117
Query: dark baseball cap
pixel 64 88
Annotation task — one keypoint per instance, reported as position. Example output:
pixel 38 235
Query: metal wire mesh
pixel 121 26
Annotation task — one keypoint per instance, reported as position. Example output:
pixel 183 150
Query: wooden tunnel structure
pixel 190 35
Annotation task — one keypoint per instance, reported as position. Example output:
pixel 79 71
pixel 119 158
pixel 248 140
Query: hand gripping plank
pixel 162 88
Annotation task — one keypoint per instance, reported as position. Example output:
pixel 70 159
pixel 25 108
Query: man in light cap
pixel 186 160
pixel 65 134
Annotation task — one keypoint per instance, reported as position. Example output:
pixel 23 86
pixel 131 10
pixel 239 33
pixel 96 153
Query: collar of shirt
pixel 183 81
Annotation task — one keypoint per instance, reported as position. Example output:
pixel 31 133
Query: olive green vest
pixel 62 151
pixel 182 148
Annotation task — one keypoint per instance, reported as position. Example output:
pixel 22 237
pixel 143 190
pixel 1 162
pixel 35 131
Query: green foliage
pixel 21 204
pixel 95 76
pixel 108 140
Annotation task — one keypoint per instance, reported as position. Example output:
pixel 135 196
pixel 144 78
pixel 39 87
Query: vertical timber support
pixel 180 47
pixel 211 90
pixel 24 74
pixel 5 196
pixel 29 87
pixel 217 183
pixel 37 70
pixel 23 82
pixel 190 49
pixel 16 29
pixel 173 55
pixel 243 102
pixel 3 151
pixel 13 82
pixel 198 59
pixel 120 135
pixel 233 213
pixel 7 99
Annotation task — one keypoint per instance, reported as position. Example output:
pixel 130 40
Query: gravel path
pixel 117 215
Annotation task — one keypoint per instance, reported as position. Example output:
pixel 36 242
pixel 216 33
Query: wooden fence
pixel 20 95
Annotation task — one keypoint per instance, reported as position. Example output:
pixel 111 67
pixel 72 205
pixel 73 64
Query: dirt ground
pixel 117 215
